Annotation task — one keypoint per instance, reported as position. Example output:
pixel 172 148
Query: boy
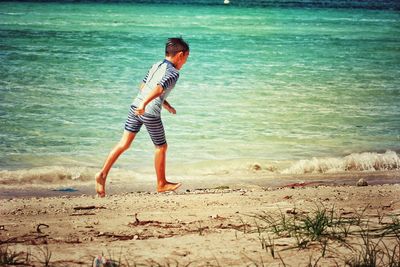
pixel 146 109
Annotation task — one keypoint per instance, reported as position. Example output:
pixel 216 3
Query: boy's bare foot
pixel 168 187
pixel 100 184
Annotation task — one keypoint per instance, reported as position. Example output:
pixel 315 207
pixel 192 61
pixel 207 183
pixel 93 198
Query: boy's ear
pixel 177 55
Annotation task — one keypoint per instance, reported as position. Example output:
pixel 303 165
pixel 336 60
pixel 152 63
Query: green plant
pixel 268 245
pixel 10 257
pixel 316 224
pixel 280 225
pixel 46 255
pixel 311 264
pixel 393 254
pixel 393 228
pixel 255 262
pixel 324 245
pixel 370 253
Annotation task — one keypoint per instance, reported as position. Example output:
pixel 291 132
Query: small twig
pixel 284 264
pixel 39 226
pixel 88 207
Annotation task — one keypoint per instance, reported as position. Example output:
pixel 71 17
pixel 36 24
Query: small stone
pixel 362 182
pixel 256 167
pixel 291 211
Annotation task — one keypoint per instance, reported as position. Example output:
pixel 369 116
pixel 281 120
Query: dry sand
pixel 209 227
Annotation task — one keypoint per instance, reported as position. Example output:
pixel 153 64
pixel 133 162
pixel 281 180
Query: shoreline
pixel 241 180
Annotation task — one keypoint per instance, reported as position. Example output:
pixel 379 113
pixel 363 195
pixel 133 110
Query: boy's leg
pixel 155 128
pixel 122 146
pixel 159 162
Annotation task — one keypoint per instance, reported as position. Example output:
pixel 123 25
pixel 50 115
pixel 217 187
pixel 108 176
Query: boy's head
pixel 177 50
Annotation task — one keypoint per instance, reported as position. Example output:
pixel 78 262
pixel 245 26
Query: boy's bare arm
pixel 168 107
pixel 156 92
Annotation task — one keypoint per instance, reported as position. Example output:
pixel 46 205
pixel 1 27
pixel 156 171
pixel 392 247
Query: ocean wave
pixel 62 175
pixel 368 161
pixel 45 175
pixel 12 13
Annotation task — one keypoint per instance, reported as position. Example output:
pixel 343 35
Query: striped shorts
pixel 153 125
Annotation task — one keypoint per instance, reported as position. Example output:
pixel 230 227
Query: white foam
pixel 229 168
pixel 54 174
pixel 368 161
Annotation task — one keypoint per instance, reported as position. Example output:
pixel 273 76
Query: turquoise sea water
pixel 261 84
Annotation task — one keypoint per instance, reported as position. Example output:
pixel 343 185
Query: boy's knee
pixel 124 145
pixel 163 147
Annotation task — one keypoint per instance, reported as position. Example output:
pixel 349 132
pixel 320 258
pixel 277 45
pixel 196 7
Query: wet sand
pixel 119 183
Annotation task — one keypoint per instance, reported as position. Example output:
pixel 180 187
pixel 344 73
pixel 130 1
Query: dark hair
pixel 175 45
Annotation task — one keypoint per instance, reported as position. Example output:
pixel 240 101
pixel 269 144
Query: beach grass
pixel 370 243
pixel 9 256
pixel 367 240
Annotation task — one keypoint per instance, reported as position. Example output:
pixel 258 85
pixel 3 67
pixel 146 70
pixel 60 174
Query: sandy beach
pixel 218 226
pixel 281 108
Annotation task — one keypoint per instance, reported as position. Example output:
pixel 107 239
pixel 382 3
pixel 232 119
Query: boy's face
pixel 181 59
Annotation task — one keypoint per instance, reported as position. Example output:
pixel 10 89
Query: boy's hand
pixel 156 92
pixel 171 110
pixel 168 107
pixel 140 110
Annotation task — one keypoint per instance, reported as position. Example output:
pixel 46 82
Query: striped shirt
pixel 162 73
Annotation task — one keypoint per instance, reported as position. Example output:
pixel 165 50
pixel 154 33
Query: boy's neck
pixel 170 59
